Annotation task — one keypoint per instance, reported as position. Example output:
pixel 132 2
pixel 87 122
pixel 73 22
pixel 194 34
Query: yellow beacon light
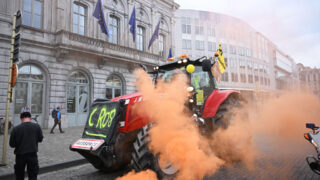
pixel 190 68
pixel 171 59
pixel 184 56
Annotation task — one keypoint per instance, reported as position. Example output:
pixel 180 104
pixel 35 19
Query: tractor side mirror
pixel 144 67
pixel 206 65
pixel 310 126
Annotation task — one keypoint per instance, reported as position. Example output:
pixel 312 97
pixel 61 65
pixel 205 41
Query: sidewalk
pixel 53 149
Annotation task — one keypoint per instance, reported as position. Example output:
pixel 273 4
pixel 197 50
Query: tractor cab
pixel 199 72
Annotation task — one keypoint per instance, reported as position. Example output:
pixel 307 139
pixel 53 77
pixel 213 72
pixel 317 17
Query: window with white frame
pixel 211 46
pixel 250 78
pixel 186 44
pixel 248 52
pixel 140 38
pixel 200 45
pixel 161 45
pixel 186 25
pixel 114 29
pixel 224 48
pixel 234 77
pixel 211 30
pixel 114 86
pixel 243 78
pixel 79 18
pixel 233 49
pixel 225 77
pixel 242 63
pixel 32 13
pixel 249 65
pixel 198 27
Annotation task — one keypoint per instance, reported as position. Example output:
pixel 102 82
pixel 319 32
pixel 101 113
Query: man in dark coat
pixel 25 138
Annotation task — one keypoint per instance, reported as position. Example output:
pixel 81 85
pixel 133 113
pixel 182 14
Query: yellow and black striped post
pixel 14 57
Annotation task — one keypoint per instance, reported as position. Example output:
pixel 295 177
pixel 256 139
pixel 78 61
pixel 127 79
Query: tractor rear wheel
pixel 143 158
pixel 225 113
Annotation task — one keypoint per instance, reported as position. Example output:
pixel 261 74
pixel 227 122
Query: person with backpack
pixel 56 115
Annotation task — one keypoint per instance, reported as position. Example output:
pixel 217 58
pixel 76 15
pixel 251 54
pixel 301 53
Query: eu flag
pixel 98 13
pixel 170 58
pixel 132 23
pixel 155 35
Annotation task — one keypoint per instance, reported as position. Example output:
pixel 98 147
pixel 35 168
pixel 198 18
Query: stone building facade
pixel 248 53
pixel 66 60
pixel 254 63
pixel 309 79
pixel 285 70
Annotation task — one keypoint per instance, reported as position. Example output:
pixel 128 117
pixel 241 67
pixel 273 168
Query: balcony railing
pixel 76 42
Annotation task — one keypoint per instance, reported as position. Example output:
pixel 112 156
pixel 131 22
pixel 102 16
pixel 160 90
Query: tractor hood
pixel 129 97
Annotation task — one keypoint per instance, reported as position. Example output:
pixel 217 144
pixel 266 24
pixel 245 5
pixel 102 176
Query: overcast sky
pixel 293 25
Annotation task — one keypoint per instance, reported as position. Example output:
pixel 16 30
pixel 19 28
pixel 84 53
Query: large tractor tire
pixel 143 158
pixel 226 112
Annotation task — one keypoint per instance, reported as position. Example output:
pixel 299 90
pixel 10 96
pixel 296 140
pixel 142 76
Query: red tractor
pixel 114 137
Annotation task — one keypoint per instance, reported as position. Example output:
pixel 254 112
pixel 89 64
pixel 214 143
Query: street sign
pixel 14 75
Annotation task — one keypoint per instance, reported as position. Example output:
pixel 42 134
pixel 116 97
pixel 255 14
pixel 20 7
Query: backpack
pixel 54 114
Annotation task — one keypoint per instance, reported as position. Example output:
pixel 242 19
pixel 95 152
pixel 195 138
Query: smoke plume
pixel 175 136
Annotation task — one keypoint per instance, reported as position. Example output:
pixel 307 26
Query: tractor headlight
pixel 185 60
pixel 190 89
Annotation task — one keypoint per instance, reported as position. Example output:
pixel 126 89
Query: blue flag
pixel 98 13
pixel 155 35
pixel 132 23
pixel 170 55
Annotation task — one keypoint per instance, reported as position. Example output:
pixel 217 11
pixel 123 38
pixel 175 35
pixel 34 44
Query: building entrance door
pixel 30 90
pixel 77 99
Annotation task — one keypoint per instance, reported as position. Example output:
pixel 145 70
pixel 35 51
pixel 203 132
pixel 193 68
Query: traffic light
pixel 16 39
pixel 18 22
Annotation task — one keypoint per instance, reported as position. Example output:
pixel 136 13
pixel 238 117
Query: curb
pixel 49 168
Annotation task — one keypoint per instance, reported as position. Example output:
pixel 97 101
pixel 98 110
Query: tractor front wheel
pixel 226 112
pixel 143 158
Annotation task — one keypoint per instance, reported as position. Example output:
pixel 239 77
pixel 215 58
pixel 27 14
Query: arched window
pixel 79 18
pixel 114 86
pixel 78 77
pixel 140 38
pixel 114 29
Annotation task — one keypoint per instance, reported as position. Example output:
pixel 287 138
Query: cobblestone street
pixel 282 160
pixel 53 149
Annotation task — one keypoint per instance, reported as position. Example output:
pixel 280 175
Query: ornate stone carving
pixel 60 54
pixel 102 62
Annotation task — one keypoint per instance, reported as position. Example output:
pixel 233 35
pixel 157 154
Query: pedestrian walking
pixel 26 109
pixel 25 138
pixel 56 115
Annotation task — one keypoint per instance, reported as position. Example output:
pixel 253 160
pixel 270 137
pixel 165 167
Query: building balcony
pixel 69 43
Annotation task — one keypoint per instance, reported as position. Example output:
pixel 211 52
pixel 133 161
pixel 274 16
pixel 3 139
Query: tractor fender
pixel 216 98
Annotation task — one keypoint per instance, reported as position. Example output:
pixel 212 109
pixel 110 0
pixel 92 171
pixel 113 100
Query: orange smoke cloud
pixel 175 136
pixel 235 144
pixel 285 116
pixel 145 175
